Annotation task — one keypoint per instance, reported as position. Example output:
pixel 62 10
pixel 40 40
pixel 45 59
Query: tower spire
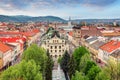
pixel 69 18
pixel 69 22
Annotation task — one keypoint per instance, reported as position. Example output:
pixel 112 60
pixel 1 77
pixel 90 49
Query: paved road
pixel 57 73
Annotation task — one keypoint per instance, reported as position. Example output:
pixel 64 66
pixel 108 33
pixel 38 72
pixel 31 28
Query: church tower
pixel 69 22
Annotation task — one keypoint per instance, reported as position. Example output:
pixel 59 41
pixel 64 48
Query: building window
pixel 59 55
pixel 51 56
pixel 63 50
pixel 51 50
pixel 55 56
pixel 51 47
pixel 55 47
pixel 59 50
pixel 59 47
pixel 55 50
pixel 62 40
pixel 15 52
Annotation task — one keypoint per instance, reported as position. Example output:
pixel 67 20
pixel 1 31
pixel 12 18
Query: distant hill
pixel 96 20
pixel 22 18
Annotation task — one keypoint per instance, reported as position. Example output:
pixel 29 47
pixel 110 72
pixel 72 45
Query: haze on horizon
pixel 62 8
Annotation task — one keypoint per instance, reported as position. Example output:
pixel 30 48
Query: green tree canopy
pixel 93 72
pixel 84 59
pixel 64 61
pixel 88 66
pixel 38 54
pixel 23 71
pixel 49 66
pixel 78 53
pixel 79 76
pixel 71 67
pixel 102 76
pixel 113 69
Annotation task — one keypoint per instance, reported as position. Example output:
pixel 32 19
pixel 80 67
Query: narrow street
pixel 57 73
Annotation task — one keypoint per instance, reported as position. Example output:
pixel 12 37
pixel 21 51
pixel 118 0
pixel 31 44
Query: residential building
pixel 115 56
pixel 5 55
pixel 107 49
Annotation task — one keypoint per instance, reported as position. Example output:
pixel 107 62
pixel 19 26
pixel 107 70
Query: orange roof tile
pixel 111 46
pixel 4 48
pixel 3 24
pixel 111 34
pixel 36 30
pixel 71 33
pixel 28 34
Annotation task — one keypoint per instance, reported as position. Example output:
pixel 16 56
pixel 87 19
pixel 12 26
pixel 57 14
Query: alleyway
pixel 57 73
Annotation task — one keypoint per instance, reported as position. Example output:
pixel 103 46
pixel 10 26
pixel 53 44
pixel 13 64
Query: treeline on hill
pixel 80 66
pixel 36 64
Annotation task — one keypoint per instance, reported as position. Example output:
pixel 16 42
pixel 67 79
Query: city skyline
pixel 77 9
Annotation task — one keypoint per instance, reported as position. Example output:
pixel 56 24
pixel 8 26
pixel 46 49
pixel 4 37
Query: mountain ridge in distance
pixel 23 18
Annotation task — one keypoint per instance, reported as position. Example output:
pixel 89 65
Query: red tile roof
pixel 9 32
pixel 71 33
pixel 111 46
pixel 92 31
pixel 12 39
pixel 4 48
pixel 28 34
pixel 85 28
pixel 36 31
pixel 3 24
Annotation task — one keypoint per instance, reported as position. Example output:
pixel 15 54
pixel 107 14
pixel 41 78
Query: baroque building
pixel 55 43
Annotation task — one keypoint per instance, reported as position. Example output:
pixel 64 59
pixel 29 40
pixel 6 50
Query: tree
pixel 59 59
pixel 79 76
pixel 38 54
pixel 78 53
pixel 11 74
pixel 88 66
pixel 71 67
pixel 49 66
pixel 113 69
pixel 84 59
pixel 102 76
pixel 23 71
pixel 93 72
pixel 64 63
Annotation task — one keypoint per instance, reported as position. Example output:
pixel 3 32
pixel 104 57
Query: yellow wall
pixel 1 63
pixel 114 60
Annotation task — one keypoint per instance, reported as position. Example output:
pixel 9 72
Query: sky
pixel 76 9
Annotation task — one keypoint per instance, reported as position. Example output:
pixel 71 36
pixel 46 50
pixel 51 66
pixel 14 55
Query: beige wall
pixel 7 57
pixel 56 47
pixel 1 63
pixel 76 36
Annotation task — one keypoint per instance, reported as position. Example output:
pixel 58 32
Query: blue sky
pixel 83 9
